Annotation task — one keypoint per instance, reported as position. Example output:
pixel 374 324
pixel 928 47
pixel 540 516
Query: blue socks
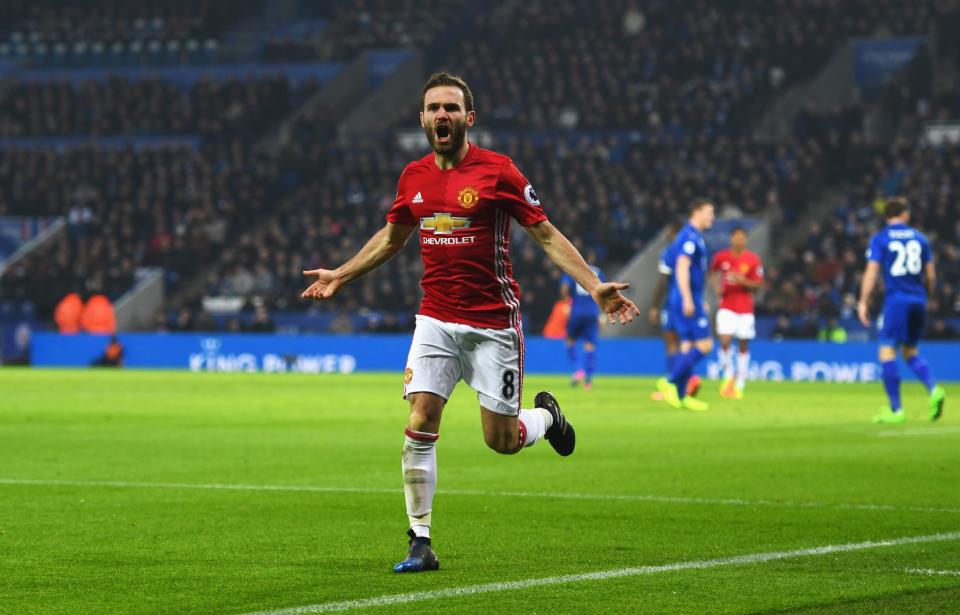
pixel 671 362
pixel 683 368
pixel 891 382
pixel 921 368
pixel 572 356
pixel 589 362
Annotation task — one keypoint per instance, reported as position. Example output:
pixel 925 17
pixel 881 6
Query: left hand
pixel 863 313
pixel 608 297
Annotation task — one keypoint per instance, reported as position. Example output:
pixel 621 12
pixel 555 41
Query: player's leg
pixel 420 459
pixel 591 335
pixel 746 331
pixel 420 479
pixel 892 335
pixel 695 331
pixel 726 327
pixel 671 346
pixel 573 334
pixel 727 371
pixel 433 370
pixel 891 384
pixel 576 374
pixel 702 347
pixel 493 366
pixel 916 319
pixel 671 341
pixel 743 366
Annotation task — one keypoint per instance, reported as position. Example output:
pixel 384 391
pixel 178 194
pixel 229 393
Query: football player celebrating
pixel 736 273
pixel 462 199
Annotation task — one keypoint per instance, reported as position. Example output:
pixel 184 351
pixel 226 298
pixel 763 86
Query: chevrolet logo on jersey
pixel 443 224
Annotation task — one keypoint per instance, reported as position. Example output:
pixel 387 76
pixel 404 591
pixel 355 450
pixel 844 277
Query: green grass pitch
pixel 171 492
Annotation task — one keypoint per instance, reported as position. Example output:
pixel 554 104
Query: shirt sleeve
pixel 399 212
pixel 926 255
pixel 517 197
pixel 875 251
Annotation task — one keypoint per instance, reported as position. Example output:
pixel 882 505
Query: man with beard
pixel 461 197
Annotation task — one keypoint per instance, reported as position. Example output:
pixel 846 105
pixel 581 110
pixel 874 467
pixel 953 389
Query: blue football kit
pixel 902 253
pixel 583 323
pixel 689 243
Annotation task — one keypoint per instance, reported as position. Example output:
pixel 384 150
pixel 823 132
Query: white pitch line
pixel 666 499
pixel 601 575
pixel 922 431
pixel 934 573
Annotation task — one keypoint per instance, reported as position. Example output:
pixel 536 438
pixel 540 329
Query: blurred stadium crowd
pixel 618 111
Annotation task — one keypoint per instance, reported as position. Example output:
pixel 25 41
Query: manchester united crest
pixel 468 198
pixel 407 376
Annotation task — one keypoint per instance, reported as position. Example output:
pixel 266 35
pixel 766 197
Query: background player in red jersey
pixel 737 273
pixel 462 198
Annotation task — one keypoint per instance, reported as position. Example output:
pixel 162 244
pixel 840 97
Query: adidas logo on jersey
pixel 418 198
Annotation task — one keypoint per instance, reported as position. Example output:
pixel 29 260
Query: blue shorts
pixel 667 322
pixel 585 328
pixel 902 323
pixel 690 328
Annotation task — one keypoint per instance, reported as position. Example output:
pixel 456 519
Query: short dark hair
pixel 738 229
pixel 895 207
pixel 699 203
pixel 440 79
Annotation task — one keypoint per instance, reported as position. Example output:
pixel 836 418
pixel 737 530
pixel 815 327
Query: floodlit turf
pixel 110 525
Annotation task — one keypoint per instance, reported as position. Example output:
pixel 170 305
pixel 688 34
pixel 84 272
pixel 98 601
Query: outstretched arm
pixel 869 282
pixel 378 250
pixel 565 255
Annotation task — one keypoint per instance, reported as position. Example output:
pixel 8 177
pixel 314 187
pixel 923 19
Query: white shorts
pixel 489 360
pixel 739 326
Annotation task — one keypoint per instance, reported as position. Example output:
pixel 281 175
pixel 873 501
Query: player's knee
pixel 888 353
pixel 705 346
pixel 503 442
pixel 425 412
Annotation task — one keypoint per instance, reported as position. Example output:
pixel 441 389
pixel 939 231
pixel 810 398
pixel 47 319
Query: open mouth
pixel 443 133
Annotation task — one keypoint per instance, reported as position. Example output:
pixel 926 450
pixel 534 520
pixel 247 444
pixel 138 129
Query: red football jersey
pixel 736 297
pixel 463 215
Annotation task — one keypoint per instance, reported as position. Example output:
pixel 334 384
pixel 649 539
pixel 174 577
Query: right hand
pixel 689 309
pixel 326 285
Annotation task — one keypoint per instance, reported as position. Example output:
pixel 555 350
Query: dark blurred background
pixel 186 159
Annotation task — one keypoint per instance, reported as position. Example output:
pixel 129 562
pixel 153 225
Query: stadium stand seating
pixel 116 32
pixel 611 173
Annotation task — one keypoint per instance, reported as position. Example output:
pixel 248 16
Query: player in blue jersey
pixel 660 315
pixel 686 306
pixel 583 325
pixel 903 255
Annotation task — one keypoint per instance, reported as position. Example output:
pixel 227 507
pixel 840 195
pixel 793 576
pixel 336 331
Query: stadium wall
pixel 775 361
